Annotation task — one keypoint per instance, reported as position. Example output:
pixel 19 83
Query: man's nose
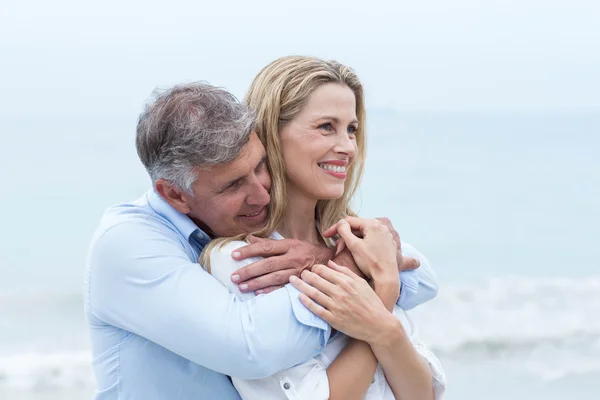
pixel 259 194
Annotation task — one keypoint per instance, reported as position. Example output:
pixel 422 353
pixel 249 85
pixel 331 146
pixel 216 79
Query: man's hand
pixel 282 259
pixel 404 263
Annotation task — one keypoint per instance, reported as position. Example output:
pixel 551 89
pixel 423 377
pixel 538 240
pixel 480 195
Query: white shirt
pixel 308 381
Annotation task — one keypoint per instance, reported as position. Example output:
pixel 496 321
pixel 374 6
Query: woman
pixel 311 119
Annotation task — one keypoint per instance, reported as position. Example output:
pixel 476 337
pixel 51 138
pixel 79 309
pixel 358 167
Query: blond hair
pixel 277 95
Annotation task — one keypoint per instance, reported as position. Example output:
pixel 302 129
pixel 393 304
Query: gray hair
pixel 191 126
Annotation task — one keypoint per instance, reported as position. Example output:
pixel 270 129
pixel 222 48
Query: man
pixel 162 327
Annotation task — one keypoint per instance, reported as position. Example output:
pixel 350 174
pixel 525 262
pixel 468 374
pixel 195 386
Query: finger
pixel 261 248
pixel 258 268
pixel 359 224
pixel 331 231
pixel 316 309
pixel 268 290
pixel 311 292
pixel 276 278
pixel 316 280
pixel 341 269
pixel 340 246
pixel 409 263
pixel 386 221
pixel 254 239
pixel 329 273
pixel 345 232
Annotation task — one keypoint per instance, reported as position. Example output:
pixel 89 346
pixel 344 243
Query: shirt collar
pixel 182 222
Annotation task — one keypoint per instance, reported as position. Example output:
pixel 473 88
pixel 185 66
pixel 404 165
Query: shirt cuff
pixel 409 283
pixel 305 316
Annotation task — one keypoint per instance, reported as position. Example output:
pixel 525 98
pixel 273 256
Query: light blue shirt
pixel 163 328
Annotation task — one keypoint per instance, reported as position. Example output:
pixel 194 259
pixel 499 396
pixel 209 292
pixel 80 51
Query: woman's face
pixel 319 144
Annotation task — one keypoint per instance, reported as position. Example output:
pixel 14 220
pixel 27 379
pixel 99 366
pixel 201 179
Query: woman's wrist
pixel 387 287
pixel 389 333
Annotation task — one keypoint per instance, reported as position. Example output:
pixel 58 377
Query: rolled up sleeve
pixel 143 281
pixel 437 372
pixel 416 286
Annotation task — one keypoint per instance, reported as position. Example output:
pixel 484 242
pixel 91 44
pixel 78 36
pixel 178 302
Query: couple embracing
pixel 243 272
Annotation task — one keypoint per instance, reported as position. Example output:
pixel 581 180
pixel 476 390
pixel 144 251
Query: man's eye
pixel 261 165
pixel 234 185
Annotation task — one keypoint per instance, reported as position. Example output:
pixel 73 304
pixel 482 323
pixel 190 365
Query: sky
pixel 65 57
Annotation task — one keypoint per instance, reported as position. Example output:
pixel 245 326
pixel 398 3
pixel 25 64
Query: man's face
pixel 232 198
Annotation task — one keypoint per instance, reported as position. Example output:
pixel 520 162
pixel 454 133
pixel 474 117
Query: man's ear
pixel 172 195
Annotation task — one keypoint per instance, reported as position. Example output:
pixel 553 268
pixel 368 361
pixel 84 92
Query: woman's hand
pixel 375 252
pixel 345 301
pixel 404 263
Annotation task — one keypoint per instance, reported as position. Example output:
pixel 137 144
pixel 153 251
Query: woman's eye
pixel 326 127
pixel 352 130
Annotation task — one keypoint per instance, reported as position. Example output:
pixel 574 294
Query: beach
pixel 505 205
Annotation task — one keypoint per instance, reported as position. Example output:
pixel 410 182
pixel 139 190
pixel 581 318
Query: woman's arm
pixel 407 372
pixel 348 376
pixel 351 373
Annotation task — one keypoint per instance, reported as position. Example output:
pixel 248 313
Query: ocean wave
pixel 38 371
pixel 548 327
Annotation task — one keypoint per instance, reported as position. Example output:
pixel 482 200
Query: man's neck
pixel 299 221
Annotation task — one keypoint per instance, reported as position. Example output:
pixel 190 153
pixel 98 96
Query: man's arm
pixel 142 281
pixel 287 257
pixel 348 377
pixel 419 285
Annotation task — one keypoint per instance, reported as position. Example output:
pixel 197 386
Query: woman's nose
pixel 345 145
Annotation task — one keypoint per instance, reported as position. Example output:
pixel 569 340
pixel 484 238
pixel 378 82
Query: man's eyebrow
pixel 238 179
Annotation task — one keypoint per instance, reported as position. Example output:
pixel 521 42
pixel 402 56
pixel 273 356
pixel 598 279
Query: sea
pixel 504 203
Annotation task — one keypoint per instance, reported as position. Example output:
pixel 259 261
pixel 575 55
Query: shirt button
pixel 373 380
pixel 286 386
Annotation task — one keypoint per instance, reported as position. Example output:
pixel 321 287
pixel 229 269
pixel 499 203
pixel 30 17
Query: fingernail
pixel 293 278
pixel 342 221
pixel 259 291
pixel 235 278
pixel 418 263
pixel 236 254
pixel 243 287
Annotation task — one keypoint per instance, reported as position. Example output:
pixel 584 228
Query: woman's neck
pixel 299 220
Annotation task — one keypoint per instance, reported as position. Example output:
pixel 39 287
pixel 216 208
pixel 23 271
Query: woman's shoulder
pixel 222 265
pixel 221 258
pixel 229 247
pixel 222 261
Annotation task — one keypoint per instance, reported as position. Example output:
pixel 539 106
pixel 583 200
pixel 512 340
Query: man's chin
pixel 256 226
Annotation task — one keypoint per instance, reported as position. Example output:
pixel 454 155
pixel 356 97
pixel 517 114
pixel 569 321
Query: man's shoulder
pixel 131 211
pixel 129 219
